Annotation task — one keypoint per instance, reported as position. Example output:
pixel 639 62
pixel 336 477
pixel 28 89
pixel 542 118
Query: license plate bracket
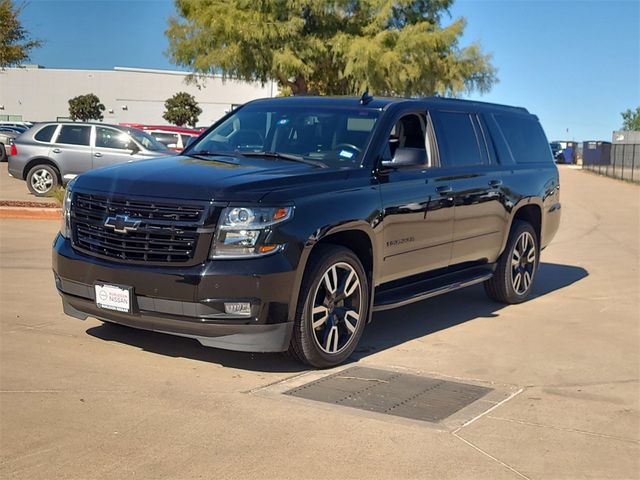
pixel 114 297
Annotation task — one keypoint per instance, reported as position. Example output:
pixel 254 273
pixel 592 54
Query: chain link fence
pixel 623 162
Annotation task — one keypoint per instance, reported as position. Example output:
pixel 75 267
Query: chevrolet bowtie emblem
pixel 122 224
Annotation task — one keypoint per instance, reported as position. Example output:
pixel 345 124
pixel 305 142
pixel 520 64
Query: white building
pixel 136 95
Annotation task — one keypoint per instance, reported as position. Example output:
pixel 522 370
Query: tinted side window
pixel 45 133
pixel 165 138
pixel 457 139
pixel 74 135
pixel 497 140
pixel 110 138
pixel 525 138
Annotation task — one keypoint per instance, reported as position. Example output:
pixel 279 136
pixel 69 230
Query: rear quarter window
pixel 45 133
pixel 525 138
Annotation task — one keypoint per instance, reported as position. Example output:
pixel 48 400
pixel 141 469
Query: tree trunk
pixel 298 86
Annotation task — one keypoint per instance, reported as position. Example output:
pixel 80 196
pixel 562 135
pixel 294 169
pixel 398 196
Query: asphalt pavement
pixel 85 400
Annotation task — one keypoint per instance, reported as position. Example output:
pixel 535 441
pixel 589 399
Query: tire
pixel 332 308
pixel 3 153
pixel 42 179
pixel 513 279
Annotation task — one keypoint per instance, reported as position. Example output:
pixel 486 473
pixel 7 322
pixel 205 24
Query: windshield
pixel 146 140
pixel 334 136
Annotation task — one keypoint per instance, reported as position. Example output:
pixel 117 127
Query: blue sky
pixel 576 64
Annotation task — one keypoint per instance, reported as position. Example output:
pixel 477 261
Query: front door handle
pixel 56 150
pixel 97 154
pixel 495 183
pixel 444 189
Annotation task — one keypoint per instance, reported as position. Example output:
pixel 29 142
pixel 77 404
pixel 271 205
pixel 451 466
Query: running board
pixel 404 295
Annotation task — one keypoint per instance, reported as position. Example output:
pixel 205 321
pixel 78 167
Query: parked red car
pixel 174 138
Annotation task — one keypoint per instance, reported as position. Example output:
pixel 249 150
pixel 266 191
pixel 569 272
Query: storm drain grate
pixel 392 393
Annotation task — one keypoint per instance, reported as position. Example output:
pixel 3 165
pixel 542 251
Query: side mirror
pixel 133 146
pixel 407 157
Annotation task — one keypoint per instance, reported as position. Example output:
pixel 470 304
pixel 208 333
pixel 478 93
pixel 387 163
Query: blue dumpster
pixel 596 153
pixel 567 153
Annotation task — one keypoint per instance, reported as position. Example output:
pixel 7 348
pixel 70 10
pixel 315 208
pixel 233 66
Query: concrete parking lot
pixel 15 190
pixel 87 400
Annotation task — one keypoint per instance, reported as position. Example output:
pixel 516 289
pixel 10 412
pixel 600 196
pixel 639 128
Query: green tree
pixel 631 119
pixel 331 47
pixel 182 109
pixel 15 41
pixel 86 107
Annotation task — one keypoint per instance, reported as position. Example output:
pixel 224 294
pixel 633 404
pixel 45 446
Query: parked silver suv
pixel 51 154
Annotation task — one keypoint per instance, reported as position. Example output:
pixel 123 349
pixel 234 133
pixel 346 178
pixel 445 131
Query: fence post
pixel 633 163
pixel 599 162
pixel 600 165
pixel 625 163
pixel 613 172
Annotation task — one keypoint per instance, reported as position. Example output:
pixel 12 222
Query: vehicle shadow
pixel 388 329
pixel 394 327
pixel 173 346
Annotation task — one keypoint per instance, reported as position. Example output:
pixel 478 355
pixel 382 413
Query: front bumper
pixel 186 301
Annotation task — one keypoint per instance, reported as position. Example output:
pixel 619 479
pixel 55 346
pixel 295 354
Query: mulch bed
pixel 28 204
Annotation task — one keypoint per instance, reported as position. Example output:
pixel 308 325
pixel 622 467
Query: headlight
pixel 243 231
pixel 65 226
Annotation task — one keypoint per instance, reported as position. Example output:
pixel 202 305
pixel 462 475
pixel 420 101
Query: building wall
pixel 626 136
pixel 39 94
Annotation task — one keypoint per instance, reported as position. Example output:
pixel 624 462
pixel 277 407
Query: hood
pixel 156 153
pixel 219 178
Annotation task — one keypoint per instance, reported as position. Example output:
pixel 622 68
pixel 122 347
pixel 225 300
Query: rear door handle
pixel 495 183
pixel 97 154
pixel 444 189
pixel 56 150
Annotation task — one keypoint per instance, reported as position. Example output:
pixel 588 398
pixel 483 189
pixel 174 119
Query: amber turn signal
pixel 267 248
pixel 280 213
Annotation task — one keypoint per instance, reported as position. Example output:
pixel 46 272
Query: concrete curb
pixel 30 213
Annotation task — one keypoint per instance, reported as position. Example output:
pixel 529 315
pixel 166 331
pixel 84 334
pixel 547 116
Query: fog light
pixel 237 308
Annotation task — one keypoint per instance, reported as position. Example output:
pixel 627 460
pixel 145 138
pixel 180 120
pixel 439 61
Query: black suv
pixel 291 220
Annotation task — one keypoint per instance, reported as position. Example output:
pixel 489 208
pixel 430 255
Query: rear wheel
pixel 512 281
pixel 332 308
pixel 42 179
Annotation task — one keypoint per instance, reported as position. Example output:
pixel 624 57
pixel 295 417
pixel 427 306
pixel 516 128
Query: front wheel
pixel 332 308
pixel 512 281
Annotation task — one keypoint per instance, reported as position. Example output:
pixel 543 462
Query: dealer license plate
pixel 112 297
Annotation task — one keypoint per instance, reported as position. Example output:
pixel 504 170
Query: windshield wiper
pixel 211 153
pixel 286 156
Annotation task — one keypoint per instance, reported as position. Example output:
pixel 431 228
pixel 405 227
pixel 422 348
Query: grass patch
pixel 58 194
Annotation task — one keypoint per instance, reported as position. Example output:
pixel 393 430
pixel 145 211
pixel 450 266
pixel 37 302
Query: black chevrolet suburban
pixel 291 220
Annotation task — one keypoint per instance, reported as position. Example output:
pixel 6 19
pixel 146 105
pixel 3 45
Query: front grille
pixel 166 232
